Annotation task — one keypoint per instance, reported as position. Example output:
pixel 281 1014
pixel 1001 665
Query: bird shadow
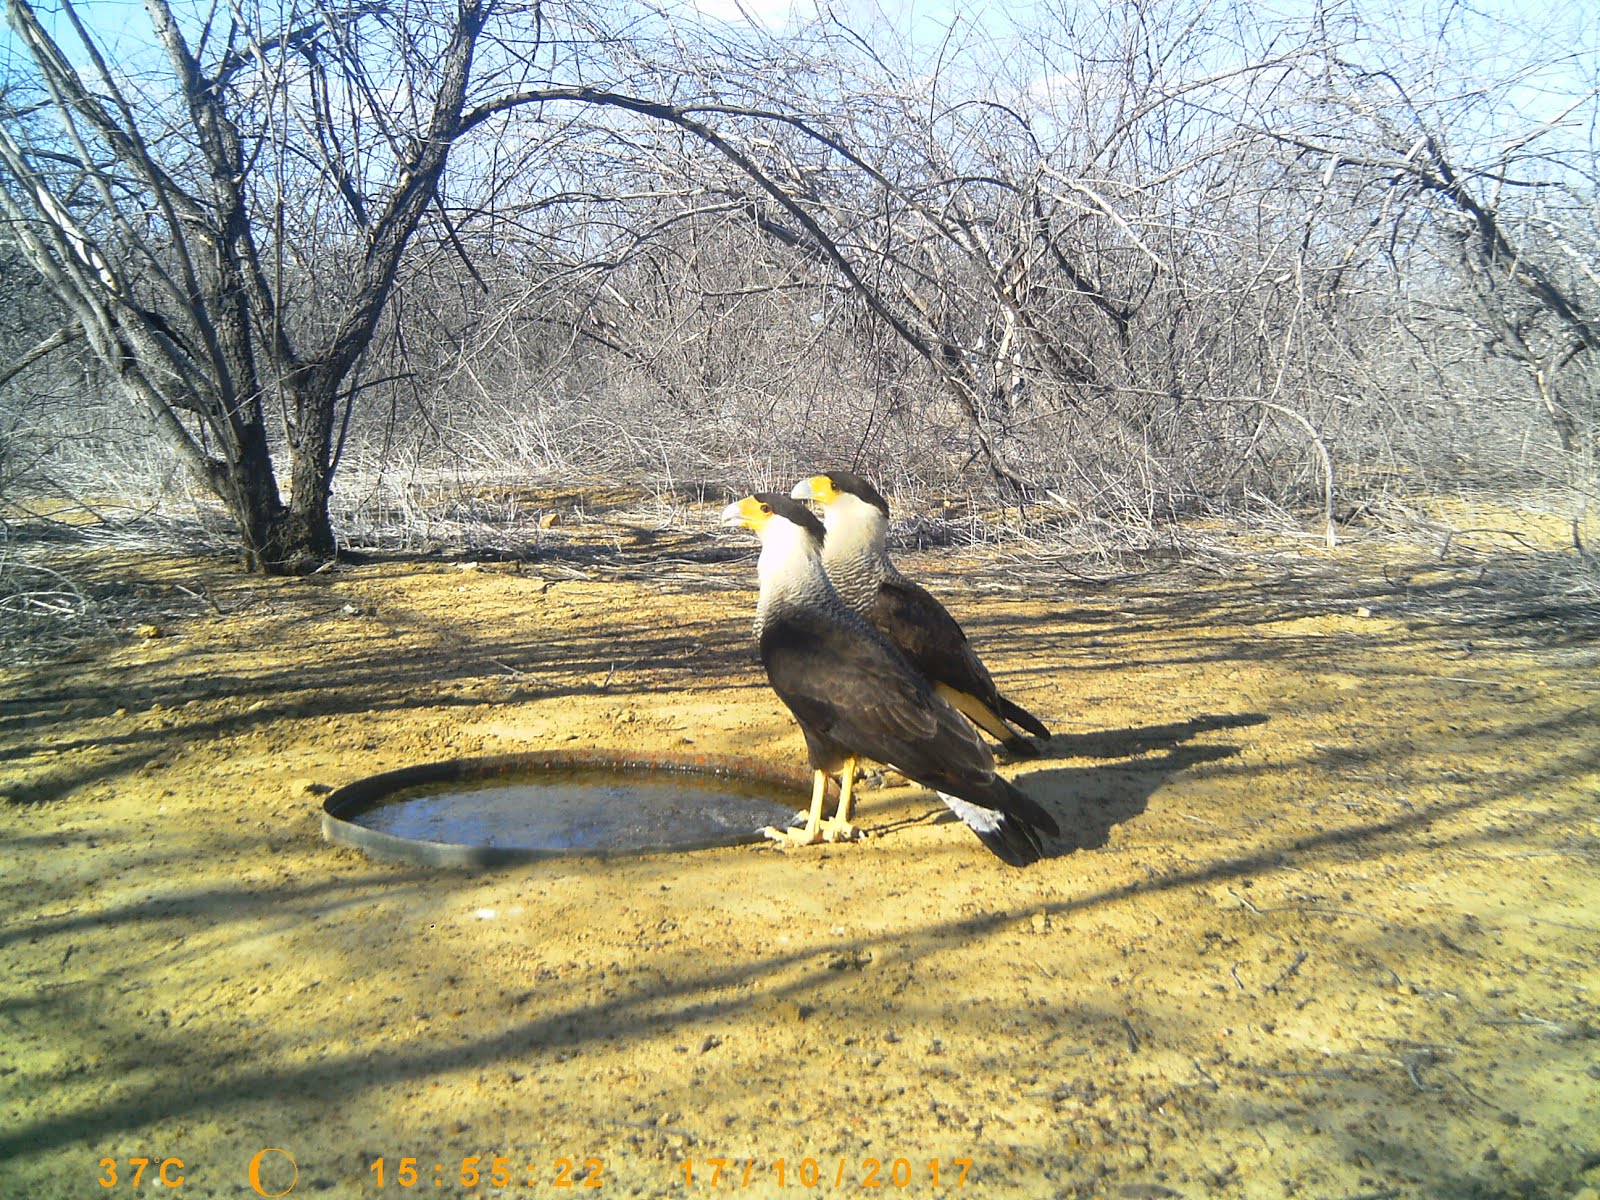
pixel 1089 802
pixel 1142 739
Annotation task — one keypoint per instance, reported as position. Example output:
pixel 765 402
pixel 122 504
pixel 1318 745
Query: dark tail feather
pixel 1018 715
pixel 1012 842
pixel 1011 839
pixel 1020 747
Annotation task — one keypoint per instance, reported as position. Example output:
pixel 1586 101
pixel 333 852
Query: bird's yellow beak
pixel 819 488
pixel 748 513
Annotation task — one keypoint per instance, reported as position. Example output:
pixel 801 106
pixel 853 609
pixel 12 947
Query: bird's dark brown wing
pixel 844 684
pixel 937 646
pixel 853 691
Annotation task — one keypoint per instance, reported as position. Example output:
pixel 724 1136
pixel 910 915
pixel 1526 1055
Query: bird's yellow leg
pixel 839 828
pixel 812 833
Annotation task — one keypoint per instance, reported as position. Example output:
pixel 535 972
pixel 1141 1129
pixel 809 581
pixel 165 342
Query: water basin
pixel 512 808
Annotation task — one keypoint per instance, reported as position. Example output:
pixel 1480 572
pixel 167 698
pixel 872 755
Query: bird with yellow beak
pixel 855 554
pixel 855 696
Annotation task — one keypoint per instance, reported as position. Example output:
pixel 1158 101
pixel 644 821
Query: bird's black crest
pixel 849 481
pixel 793 510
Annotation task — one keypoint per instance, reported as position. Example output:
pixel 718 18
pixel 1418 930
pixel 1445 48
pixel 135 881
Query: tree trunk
pixel 277 538
pixel 274 537
pixel 309 533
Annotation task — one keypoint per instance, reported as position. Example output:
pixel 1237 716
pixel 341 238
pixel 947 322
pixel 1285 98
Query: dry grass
pixel 1502 565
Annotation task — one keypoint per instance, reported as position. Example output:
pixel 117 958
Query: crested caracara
pixel 856 557
pixel 855 696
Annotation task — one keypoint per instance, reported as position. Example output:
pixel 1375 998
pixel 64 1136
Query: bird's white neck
pixel 854 553
pixel 790 570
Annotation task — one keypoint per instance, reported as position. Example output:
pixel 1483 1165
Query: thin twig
pixel 1288 972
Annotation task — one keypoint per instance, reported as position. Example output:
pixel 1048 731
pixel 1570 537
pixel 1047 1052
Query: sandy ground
pixel 1325 921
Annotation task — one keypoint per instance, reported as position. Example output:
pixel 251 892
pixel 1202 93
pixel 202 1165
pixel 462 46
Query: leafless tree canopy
pixel 1128 261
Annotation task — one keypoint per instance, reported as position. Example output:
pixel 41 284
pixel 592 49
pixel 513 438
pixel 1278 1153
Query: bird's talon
pixel 840 831
pixel 791 837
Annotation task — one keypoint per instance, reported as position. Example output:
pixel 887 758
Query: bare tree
pixel 1132 260
pixel 225 235
pixel 1455 170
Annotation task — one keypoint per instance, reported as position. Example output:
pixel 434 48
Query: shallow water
pixel 583 810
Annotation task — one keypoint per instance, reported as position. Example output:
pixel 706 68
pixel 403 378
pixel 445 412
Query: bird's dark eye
pixel 766 508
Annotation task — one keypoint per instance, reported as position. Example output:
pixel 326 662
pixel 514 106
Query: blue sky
pixel 1502 32
pixel 121 26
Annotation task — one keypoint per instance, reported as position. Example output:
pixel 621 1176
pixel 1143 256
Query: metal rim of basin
pixel 352 799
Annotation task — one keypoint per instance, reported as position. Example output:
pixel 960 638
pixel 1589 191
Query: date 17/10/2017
pixel 812 1173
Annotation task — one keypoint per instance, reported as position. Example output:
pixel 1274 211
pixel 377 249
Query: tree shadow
pixel 177 703
pixel 559 1019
